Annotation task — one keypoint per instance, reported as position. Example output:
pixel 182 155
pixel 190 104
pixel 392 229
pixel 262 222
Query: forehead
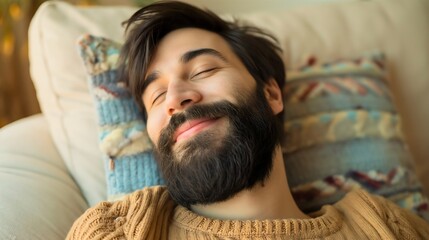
pixel 180 41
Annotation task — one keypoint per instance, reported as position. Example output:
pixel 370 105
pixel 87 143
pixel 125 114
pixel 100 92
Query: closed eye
pixel 157 97
pixel 204 71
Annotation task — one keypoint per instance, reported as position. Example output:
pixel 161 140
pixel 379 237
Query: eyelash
pixel 204 71
pixel 156 98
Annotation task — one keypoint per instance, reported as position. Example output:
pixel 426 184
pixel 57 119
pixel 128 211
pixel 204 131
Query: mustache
pixel 211 110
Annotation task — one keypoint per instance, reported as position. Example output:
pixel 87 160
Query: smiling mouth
pixel 192 127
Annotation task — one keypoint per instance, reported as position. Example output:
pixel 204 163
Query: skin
pixel 207 77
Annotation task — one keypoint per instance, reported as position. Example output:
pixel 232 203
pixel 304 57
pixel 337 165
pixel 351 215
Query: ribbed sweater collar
pixel 324 222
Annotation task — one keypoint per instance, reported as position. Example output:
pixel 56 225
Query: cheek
pixel 154 126
pixel 150 131
pixel 228 86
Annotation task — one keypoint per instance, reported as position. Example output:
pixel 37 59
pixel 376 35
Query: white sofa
pixel 51 168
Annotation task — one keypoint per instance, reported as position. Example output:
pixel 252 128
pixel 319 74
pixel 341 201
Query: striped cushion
pixel 343 132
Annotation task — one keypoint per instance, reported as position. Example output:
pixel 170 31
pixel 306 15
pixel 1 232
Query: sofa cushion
pixel 62 89
pixel 328 31
pixel 38 199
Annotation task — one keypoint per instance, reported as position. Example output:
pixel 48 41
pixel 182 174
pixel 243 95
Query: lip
pixel 192 127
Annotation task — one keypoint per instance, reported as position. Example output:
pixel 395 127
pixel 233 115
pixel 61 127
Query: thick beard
pixel 208 170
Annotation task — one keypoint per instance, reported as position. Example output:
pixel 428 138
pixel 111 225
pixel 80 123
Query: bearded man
pixel 211 95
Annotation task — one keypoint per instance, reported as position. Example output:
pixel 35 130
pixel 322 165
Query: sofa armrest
pixel 38 197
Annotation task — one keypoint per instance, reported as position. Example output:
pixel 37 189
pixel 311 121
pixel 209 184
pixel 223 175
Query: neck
pixel 271 200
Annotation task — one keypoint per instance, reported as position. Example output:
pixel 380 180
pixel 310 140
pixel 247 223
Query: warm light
pixel 24 51
pixel 8 44
pixel 15 11
pixel 3 122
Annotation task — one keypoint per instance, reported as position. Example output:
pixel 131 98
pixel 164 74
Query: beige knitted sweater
pixel 152 214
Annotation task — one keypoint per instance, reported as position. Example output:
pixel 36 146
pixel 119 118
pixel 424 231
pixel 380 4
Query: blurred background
pixel 17 94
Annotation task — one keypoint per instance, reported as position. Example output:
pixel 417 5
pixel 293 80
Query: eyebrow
pixel 188 56
pixel 185 58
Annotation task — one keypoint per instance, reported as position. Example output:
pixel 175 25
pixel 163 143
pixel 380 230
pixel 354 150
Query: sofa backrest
pixel 399 28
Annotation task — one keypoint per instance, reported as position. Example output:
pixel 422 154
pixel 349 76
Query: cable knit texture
pixel 151 214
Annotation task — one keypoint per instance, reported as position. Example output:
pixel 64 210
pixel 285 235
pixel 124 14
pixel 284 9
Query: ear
pixel 273 94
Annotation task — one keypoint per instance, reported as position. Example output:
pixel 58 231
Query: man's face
pixel 208 121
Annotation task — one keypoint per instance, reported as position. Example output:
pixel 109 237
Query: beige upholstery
pixel 62 88
pixel 400 28
pixel 38 197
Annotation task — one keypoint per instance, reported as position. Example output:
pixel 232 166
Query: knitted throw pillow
pixel 127 150
pixel 342 131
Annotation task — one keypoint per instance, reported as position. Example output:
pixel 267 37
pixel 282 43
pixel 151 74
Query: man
pixel 211 94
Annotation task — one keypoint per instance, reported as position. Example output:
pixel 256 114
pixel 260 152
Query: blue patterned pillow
pixel 342 132
pixel 126 148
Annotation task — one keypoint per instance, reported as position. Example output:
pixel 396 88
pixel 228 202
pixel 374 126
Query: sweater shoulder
pixel 111 220
pixel 363 199
pixel 379 212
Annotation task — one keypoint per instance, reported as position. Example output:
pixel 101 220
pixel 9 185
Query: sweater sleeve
pixel 402 222
pixel 134 217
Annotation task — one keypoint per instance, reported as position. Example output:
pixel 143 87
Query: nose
pixel 181 95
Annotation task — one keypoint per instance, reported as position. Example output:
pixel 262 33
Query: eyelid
pixel 158 95
pixel 205 70
pixel 152 98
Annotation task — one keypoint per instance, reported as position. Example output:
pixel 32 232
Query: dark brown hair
pixel 256 49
